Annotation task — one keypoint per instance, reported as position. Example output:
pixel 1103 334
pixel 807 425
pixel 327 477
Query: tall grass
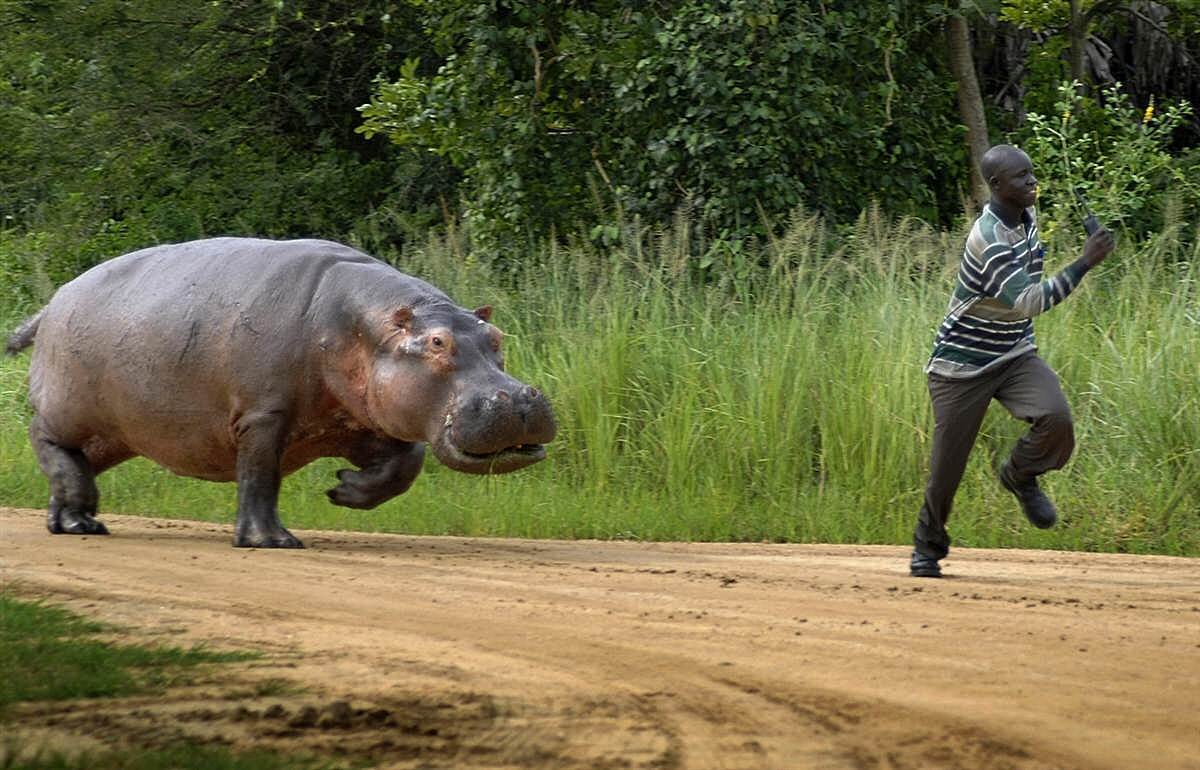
pixel 776 394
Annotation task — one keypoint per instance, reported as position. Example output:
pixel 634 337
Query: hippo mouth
pixel 530 452
pixel 538 450
pixel 504 460
pixel 496 433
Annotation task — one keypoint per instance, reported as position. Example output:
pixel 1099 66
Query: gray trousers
pixel 1029 389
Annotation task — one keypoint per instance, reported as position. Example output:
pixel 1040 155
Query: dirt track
pixel 467 653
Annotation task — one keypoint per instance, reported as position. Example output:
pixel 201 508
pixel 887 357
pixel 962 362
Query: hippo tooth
pixel 449 419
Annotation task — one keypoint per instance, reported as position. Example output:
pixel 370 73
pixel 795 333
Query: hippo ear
pixel 484 313
pixel 402 317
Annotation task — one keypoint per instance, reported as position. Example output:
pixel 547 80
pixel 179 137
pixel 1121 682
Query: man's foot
pixel 1034 504
pixel 924 566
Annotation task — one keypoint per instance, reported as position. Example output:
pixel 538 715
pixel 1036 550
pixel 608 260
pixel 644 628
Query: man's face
pixel 1014 182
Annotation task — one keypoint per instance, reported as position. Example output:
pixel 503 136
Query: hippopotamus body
pixel 235 359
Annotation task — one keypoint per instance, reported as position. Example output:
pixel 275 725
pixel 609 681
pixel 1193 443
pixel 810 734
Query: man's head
pixel 1009 175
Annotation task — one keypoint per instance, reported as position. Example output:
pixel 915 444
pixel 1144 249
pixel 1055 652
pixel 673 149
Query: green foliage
pixel 47 653
pixel 750 106
pixel 503 108
pixel 173 758
pixel 1146 47
pixel 736 109
pixel 1054 15
pixel 130 122
pixel 1043 15
pixel 1116 154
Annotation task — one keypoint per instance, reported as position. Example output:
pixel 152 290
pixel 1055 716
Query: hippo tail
pixel 23 336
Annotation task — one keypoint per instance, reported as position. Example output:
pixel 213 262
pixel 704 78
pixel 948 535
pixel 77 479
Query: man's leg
pixel 958 410
pixel 1031 392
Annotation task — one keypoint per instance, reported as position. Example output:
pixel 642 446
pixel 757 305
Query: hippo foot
pixel 273 538
pixel 64 521
pixel 355 491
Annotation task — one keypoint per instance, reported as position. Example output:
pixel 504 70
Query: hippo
pixel 241 359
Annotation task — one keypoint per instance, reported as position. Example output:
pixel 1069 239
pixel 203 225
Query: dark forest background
pixel 130 122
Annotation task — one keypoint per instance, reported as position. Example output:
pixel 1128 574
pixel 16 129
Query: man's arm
pixel 1010 283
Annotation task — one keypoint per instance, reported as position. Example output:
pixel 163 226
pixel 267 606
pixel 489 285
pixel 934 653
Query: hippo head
pixel 438 376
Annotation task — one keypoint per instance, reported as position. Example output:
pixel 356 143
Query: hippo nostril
pixel 503 395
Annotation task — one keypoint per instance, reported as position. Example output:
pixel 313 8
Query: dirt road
pixel 477 653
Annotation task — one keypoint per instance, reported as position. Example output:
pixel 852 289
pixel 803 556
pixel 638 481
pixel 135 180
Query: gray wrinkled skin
pixel 243 360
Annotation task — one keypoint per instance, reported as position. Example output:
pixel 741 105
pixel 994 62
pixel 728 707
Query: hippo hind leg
pixel 386 469
pixel 72 471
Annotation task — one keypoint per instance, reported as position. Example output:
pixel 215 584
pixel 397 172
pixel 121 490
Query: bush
pixel 1117 155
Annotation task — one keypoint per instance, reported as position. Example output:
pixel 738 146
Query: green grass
pixel 173 758
pixel 48 653
pixel 777 394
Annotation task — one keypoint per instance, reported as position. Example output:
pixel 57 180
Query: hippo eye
pixel 437 342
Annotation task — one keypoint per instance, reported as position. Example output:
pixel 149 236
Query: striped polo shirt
pixel 998 292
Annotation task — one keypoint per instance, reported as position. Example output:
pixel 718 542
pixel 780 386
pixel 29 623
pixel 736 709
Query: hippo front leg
pixel 386 469
pixel 260 443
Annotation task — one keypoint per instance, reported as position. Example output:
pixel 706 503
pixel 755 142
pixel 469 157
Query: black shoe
pixel 1034 504
pixel 924 566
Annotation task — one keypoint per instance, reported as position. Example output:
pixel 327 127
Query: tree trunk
pixel 970 103
pixel 1077 36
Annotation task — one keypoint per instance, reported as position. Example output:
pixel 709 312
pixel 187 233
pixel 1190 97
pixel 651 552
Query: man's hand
pixel 1098 246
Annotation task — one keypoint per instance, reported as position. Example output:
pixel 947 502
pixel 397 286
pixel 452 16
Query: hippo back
pixel 162 349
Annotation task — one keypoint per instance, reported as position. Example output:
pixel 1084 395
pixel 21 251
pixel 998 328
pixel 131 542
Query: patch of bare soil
pixel 433 652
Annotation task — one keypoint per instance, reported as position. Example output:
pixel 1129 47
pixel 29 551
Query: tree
pixel 1076 19
pixel 970 102
pixel 557 114
pixel 127 122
